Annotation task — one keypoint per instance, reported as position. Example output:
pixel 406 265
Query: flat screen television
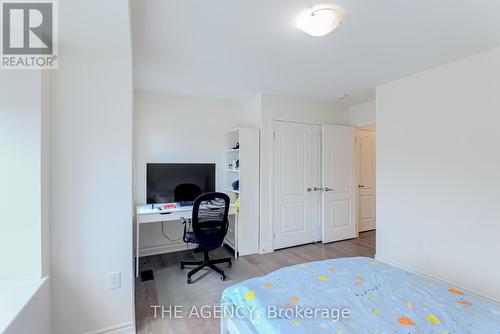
pixel 178 182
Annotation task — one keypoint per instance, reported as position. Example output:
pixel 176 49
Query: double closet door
pixel 313 183
pixel 296 183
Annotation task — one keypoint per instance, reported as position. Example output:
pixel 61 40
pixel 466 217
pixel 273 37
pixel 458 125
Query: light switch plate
pixel 114 280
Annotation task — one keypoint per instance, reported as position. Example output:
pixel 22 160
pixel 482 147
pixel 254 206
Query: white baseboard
pixel 440 280
pixel 125 328
pixel 148 251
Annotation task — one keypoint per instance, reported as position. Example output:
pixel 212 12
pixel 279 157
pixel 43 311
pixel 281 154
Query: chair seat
pixel 210 244
pixel 191 238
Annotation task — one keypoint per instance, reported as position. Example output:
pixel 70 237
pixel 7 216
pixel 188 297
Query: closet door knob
pixel 328 189
pixel 317 189
pixel 309 190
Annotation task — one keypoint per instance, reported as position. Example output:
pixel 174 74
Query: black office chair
pixel 209 222
pixel 186 192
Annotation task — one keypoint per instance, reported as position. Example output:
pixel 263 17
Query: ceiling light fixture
pixel 320 21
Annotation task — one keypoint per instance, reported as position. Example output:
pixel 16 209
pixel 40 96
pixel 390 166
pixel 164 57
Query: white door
pixel 366 179
pixel 339 182
pixel 315 193
pixel 296 168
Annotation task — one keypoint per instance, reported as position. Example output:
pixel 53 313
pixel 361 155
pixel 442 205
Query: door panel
pixel 340 163
pixel 296 165
pixel 341 213
pixel 339 182
pixel 292 169
pixel 293 217
pixel 316 180
pixel 366 206
pixel 366 179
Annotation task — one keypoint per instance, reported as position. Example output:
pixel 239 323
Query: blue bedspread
pixel 381 298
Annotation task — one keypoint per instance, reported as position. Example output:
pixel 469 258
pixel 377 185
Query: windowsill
pixel 14 295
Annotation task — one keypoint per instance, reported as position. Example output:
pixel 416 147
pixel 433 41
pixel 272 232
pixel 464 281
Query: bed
pixel 381 299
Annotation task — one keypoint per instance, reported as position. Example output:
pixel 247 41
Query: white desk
pixel 146 214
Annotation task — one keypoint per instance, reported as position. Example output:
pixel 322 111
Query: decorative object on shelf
pixel 234 163
pixel 237 202
pixel 230 167
pixel 236 147
pixel 236 185
pixel 237 165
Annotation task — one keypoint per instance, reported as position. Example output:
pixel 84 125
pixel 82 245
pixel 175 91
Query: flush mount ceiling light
pixel 320 21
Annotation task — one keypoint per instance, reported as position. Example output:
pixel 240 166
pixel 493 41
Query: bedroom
pixel 295 88
pixel 236 167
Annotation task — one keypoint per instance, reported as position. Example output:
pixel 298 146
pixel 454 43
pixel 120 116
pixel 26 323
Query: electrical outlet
pixel 114 280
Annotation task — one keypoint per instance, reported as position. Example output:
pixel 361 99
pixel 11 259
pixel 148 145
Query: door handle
pixel 328 189
pixel 360 186
pixel 309 190
pixel 317 189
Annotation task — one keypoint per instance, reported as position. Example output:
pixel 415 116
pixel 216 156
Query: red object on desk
pixel 170 205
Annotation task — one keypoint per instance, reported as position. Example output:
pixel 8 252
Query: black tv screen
pixel 173 182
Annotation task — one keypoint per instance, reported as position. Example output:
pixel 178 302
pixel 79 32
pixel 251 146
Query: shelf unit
pixel 243 232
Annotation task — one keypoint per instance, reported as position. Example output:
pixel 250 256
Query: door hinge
pixel 274 134
pixel 274 235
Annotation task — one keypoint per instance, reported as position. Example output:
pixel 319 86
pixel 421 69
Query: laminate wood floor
pixel 169 286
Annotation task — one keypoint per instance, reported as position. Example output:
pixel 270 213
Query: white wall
pixel 362 114
pixel 171 128
pixel 252 112
pixel 23 244
pixel 438 166
pixel 34 314
pixel 20 179
pixel 91 168
pixel 45 173
pixel 286 109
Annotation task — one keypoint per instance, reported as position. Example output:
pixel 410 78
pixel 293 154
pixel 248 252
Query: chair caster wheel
pixel 189 280
pixel 223 277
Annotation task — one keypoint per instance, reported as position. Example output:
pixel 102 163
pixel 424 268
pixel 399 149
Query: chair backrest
pixel 209 219
pixel 186 192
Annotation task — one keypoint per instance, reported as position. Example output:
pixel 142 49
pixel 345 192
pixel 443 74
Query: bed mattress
pixel 379 298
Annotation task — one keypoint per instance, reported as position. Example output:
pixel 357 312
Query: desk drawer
pixel 158 217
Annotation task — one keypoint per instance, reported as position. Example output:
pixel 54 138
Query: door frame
pixel 272 151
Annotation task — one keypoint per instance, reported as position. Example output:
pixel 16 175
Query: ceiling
pixel 233 49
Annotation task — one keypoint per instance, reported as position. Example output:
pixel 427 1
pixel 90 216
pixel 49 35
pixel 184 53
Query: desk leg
pixel 137 228
pixel 236 228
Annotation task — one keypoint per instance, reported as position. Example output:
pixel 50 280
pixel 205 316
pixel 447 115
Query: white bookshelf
pixel 243 232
